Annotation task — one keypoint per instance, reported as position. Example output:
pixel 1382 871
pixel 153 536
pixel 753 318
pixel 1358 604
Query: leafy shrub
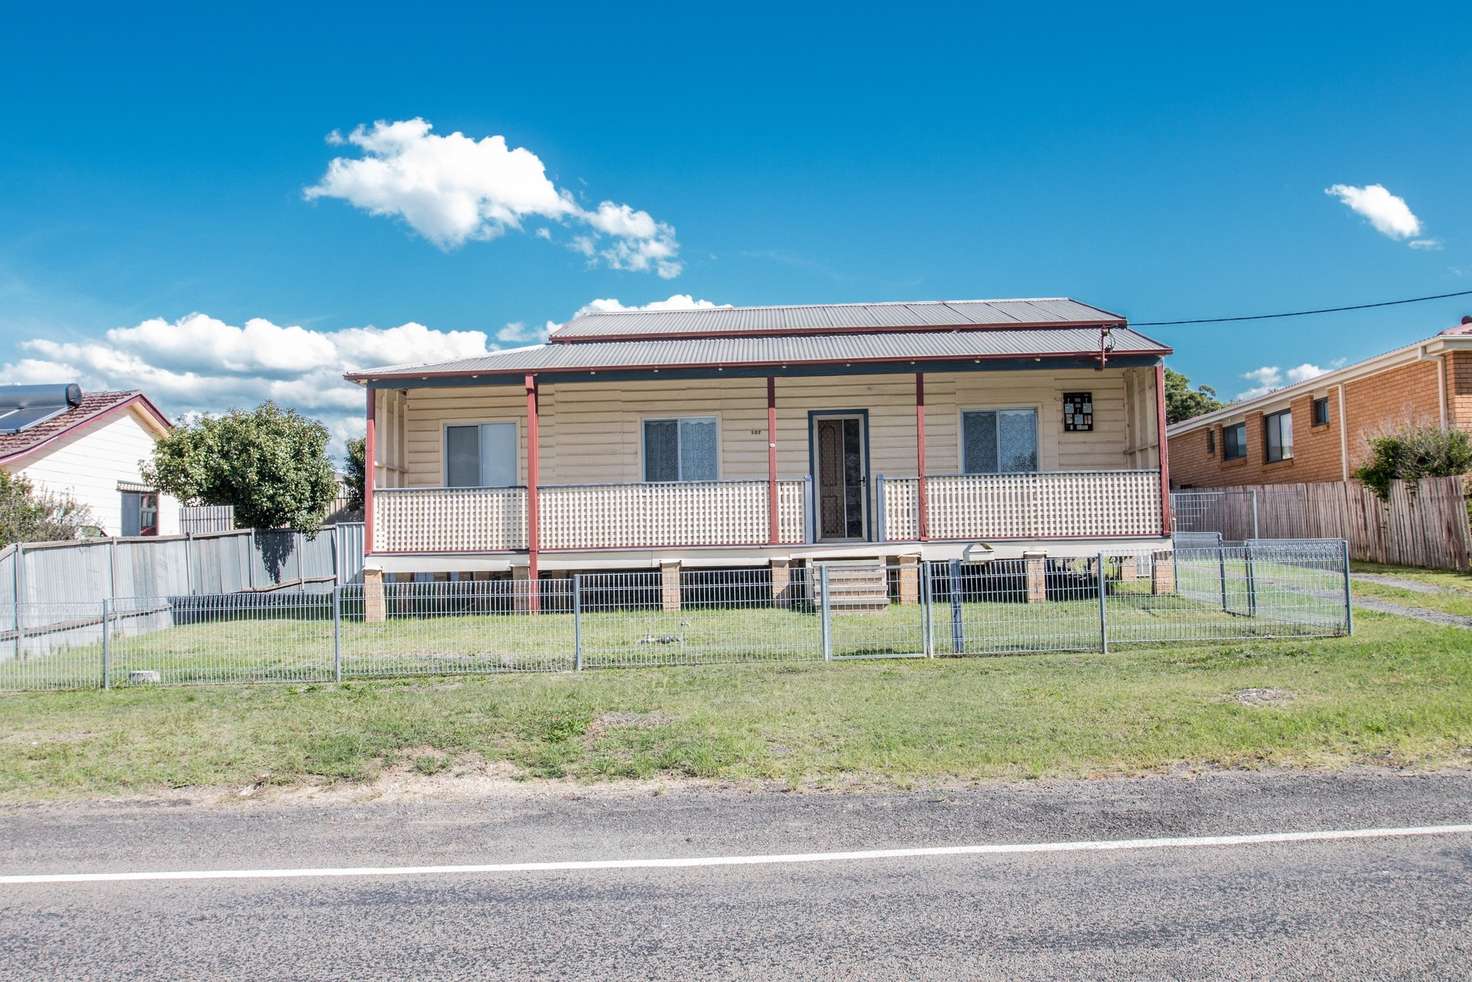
pixel 29 515
pixel 1413 453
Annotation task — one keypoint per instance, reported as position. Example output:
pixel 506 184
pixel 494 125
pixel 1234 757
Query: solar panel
pixel 16 420
pixel 24 406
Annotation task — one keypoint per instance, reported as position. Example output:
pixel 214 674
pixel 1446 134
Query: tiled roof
pixel 834 318
pixel 93 404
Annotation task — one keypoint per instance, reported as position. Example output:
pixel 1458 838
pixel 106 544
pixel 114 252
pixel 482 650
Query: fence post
pixel 927 622
pixel 299 545
pixel 1255 533
pixel 107 644
pixel 20 558
pixel 1221 570
pixel 577 622
pixel 336 633
pixel 112 567
pixel 1348 605
pixel 188 565
pixel 825 613
pixel 1103 610
pixel 958 624
pixel 1251 581
pixel 809 523
pixel 879 517
pixel 250 560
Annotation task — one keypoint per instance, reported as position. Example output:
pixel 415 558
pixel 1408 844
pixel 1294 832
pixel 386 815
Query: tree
pixel 270 464
pixel 1183 402
pixel 1413 453
pixel 355 474
pixel 29 515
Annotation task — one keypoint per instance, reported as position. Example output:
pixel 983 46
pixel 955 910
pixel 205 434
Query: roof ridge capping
pixel 847 303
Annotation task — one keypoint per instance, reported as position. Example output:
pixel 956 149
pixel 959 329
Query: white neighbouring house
pixel 91 447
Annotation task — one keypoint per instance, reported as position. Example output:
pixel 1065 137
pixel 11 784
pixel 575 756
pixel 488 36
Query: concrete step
pixel 854 586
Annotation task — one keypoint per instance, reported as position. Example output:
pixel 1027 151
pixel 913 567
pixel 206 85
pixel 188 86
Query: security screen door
pixel 841 477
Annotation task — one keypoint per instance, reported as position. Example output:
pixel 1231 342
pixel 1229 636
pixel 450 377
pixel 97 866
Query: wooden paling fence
pixel 1423 524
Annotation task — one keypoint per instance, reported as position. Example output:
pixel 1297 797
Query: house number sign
pixel 1078 412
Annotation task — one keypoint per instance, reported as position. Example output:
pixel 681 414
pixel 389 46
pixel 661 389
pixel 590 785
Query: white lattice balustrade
pixel 1064 504
pixel 449 519
pixel 686 513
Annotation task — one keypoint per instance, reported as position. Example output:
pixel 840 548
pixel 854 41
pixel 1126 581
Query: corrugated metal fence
pixel 242 561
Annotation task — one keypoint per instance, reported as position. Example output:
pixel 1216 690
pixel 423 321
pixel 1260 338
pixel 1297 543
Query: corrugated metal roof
pixel 835 317
pixel 784 350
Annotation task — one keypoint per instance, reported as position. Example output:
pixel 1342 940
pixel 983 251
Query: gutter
pixel 1424 350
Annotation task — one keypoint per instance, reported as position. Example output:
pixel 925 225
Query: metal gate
pixel 1231 514
pixel 873 610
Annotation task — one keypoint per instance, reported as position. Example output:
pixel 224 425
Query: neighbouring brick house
pixel 1319 430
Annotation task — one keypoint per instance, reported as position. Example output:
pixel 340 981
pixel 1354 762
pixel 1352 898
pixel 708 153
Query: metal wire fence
pixel 821 611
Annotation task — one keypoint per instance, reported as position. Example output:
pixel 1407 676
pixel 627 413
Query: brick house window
pixel 1234 441
pixel 1321 411
pixel 1211 443
pixel 1278 436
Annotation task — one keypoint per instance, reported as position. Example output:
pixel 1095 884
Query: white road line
pixel 1001 849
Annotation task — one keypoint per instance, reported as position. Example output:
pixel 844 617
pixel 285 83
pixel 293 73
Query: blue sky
pixel 1155 161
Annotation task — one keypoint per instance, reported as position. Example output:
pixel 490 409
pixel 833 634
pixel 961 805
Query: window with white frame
pixel 999 441
pixel 681 449
pixel 480 455
pixel 1278 438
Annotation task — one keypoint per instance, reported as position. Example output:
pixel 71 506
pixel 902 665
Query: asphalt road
pixel 1369 908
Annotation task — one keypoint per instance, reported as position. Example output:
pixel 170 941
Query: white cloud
pixel 677 301
pixel 1388 213
pixel 1303 373
pixel 453 189
pixel 1425 244
pixel 199 364
pixel 1270 377
pixel 518 332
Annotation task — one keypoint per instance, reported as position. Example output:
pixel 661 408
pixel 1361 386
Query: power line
pixel 1300 313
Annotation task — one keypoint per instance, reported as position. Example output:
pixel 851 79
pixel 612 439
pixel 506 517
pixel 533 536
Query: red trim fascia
pixel 772 459
pixel 924 511
pixel 677 545
pixel 782 332
pixel 562 550
pixel 1160 427
pixel 87 423
pixel 771 363
pixel 1031 538
pixel 533 476
pixel 370 464
pixel 449 552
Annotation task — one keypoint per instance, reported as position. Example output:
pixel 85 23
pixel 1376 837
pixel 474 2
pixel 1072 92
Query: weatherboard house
pixel 773 437
pixel 88 446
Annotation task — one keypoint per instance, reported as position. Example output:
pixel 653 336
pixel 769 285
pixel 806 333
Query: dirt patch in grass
pixel 1258 698
pixel 625 721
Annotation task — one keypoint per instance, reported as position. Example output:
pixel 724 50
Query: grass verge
pixel 1395 693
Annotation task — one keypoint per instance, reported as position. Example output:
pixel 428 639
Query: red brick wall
pixel 1375 404
pixel 1459 390
pixel 1387 401
pixel 1315 452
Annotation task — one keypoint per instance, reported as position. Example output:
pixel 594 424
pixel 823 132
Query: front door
pixel 841 477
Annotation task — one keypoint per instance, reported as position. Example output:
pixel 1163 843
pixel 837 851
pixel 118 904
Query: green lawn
pixel 282 645
pixel 1397 692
